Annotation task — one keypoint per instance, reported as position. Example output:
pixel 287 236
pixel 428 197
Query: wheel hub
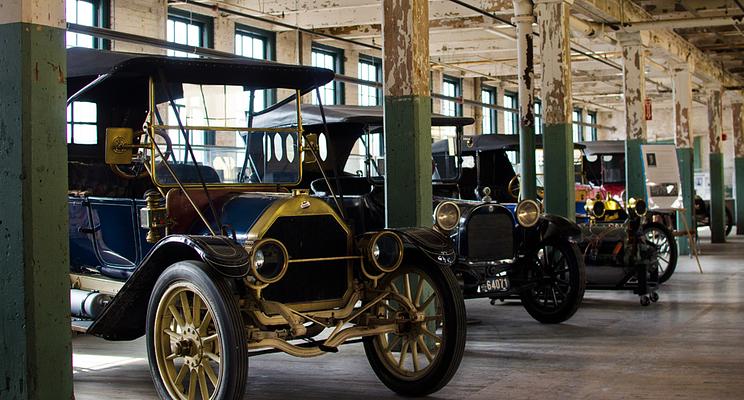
pixel 190 347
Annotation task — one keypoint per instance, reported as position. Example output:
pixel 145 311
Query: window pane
pixel 85 13
pixel 86 134
pixel 328 91
pixel 85 112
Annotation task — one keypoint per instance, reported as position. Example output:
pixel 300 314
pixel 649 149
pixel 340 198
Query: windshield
pixel 367 157
pixel 216 122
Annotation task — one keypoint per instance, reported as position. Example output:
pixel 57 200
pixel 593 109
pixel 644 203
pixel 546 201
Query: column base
pixel 739 172
pixel 560 189
pixel 685 220
pixel 408 189
pixel 717 201
pixel 635 181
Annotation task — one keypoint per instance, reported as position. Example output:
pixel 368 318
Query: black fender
pixel 554 226
pixel 428 243
pixel 124 318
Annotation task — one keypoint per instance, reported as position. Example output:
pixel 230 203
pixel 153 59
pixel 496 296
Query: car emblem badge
pixel 305 204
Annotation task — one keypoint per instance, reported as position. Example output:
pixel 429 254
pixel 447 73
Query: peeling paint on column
pixel 715 120
pixel 526 68
pixel 738 115
pixel 406 62
pixel 682 94
pixel 555 62
pixel 634 82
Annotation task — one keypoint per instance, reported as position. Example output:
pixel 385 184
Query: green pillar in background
pixel 738 114
pixel 560 190
pixel 523 19
pixel 34 283
pixel 682 94
pixel 634 88
pixel 717 201
pixel 408 189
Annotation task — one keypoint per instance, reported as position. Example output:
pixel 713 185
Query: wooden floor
pixel 690 345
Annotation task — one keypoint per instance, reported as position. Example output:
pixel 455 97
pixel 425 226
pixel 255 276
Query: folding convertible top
pixel 114 72
pixel 286 116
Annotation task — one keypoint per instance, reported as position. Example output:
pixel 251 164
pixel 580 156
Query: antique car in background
pixel 493 166
pixel 603 166
pixel 188 225
pixel 623 253
pixel 503 251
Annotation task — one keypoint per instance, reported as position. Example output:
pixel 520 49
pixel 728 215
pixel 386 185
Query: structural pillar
pixel 523 19
pixel 682 96
pixel 560 192
pixel 34 266
pixel 738 114
pixel 407 111
pixel 634 89
pixel 717 202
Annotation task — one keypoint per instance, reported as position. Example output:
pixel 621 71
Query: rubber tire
pixel 577 271
pixel 232 333
pixel 673 252
pixel 453 343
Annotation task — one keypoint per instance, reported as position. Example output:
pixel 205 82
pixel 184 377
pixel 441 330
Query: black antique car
pixel 503 250
pixel 624 252
pixel 493 167
pixel 189 225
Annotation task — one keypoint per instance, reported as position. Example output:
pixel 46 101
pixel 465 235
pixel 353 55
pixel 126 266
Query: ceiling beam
pixel 618 12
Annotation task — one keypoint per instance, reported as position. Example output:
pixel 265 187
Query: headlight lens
pixel 386 251
pixel 595 208
pixel 447 215
pixel 528 213
pixel 269 260
pixel 638 206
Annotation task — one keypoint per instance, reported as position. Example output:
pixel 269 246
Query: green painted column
pixel 739 171
pixel 634 89
pixel 523 19
pixel 34 283
pixel 682 96
pixel 407 110
pixel 738 115
pixel 717 202
pixel 553 20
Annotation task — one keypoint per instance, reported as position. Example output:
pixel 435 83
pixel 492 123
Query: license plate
pixel 498 284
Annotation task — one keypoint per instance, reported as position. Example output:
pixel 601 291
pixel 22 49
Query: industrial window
pixel 259 44
pixel 511 119
pixel 591 128
pixel 488 96
pixel 538 118
pixel 578 129
pixel 88 13
pixel 369 69
pixel 451 87
pixel 189 29
pixel 333 59
pixel 82 123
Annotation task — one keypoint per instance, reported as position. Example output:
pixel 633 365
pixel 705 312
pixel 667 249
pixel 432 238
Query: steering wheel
pixel 513 188
pixel 136 170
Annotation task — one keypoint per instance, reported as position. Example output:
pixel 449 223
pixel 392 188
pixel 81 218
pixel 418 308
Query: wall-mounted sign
pixel 661 170
pixel 648 110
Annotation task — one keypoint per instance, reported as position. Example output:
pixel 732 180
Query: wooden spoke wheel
pixel 196 340
pixel 422 355
pixel 557 282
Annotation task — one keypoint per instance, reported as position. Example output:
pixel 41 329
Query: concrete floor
pixel 690 345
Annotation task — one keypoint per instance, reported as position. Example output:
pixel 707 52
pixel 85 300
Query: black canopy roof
pixel 604 147
pixel 489 143
pixel 365 115
pixel 118 71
